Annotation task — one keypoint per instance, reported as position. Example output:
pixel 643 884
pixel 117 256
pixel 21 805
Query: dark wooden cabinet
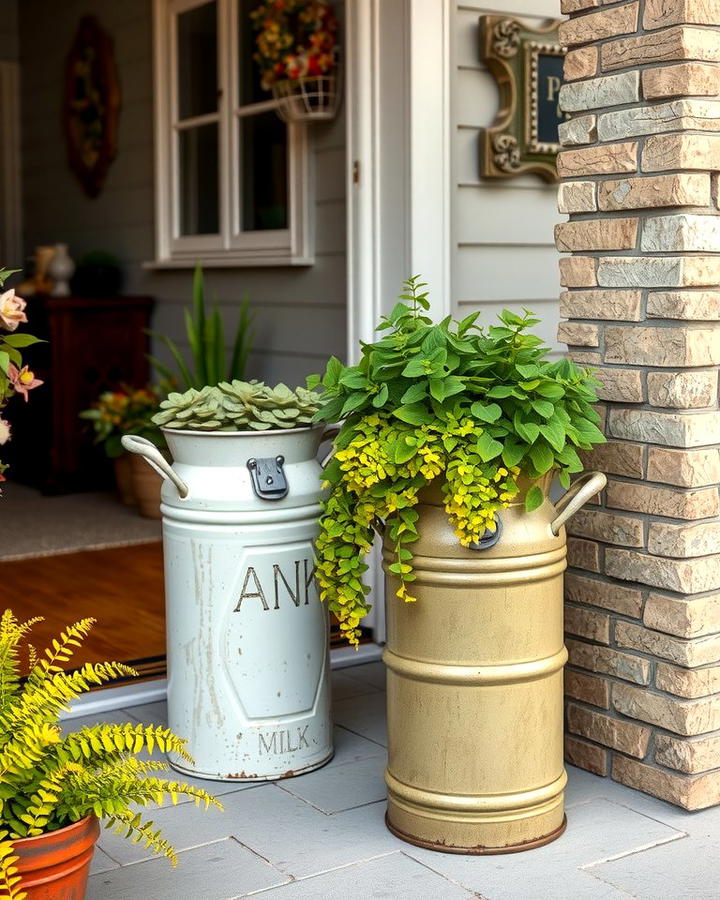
pixel 93 345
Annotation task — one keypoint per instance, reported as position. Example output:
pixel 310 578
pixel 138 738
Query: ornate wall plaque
pixel 528 65
pixel 92 105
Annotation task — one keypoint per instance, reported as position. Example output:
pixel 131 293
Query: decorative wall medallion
pixel 507 154
pixel 506 37
pixel 528 66
pixel 92 105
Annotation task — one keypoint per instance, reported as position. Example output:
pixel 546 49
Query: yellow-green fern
pixel 9 877
pixel 48 780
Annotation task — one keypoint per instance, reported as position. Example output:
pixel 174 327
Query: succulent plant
pixel 200 410
pixel 239 406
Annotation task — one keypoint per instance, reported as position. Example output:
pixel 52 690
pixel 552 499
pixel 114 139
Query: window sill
pixel 227 261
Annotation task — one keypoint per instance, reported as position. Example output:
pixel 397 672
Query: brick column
pixel 642 300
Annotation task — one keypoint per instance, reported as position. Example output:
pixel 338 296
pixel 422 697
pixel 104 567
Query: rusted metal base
pixel 245 776
pixel 478 851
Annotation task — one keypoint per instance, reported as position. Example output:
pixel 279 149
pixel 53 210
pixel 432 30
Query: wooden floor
pixel 122 588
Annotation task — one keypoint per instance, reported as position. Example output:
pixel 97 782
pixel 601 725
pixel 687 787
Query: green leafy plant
pixel 239 406
pixel 475 408
pixel 125 411
pixel 48 780
pixel 205 331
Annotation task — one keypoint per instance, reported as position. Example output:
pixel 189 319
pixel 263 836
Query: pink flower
pixel 11 310
pixel 5 432
pixel 23 380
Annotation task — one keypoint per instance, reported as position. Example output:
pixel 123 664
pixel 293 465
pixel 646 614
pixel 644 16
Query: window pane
pixel 197 61
pixel 264 172
pixel 249 73
pixel 199 188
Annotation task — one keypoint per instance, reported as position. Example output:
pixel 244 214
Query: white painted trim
pixel 231 247
pixel 364 302
pixel 399 180
pixel 226 260
pixel 399 141
pixel 364 268
pixel 128 695
pixel 112 698
pixel 11 242
pixel 429 76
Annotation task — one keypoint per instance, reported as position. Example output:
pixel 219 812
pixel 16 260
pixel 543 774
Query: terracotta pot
pixel 124 479
pixel 55 866
pixel 146 485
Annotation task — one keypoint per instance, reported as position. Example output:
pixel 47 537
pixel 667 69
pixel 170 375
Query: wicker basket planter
pixel 307 99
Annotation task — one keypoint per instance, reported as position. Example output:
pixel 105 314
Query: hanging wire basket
pixel 311 98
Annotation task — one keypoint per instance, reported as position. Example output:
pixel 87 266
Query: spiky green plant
pixel 48 780
pixel 206 336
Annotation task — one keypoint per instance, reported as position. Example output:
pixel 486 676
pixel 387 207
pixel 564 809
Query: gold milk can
pixel 475 681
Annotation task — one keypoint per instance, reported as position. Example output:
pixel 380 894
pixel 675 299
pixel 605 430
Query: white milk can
pixel 247 636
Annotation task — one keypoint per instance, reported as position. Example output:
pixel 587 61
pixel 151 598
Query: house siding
pixel 503 249
pixel 300 312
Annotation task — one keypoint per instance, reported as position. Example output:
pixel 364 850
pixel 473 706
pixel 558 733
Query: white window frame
pixel 231 247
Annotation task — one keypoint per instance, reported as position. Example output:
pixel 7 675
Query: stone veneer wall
pixel 642 299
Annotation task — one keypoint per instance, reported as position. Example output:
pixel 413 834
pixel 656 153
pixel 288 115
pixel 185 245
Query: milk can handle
pixel 580 492
pixel 143 447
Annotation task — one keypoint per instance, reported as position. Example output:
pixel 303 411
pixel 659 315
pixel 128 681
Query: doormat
pixel 35 525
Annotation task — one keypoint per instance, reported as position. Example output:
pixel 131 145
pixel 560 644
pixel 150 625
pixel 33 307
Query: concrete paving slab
pixel 374 673
pixel 700 824
pixel 345 686
pixel 300 841
pixel 393 876
pixel 101 862
pixel 184 826
pixel 213 871
pixel 350 747
pixel 364 715
pixel 683 870
pixel 596 830
pixel 583 786
pixel 336 788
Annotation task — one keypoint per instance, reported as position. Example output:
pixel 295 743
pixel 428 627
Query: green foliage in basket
pixel 239 406
pixel 49 780
pixel 208 364
pixel 125 411
pixel 477 407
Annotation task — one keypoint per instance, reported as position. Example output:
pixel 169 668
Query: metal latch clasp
pixel 268 477
pixel 490 538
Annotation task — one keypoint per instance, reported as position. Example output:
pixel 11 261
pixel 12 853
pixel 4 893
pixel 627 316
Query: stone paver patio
pixel 322 836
